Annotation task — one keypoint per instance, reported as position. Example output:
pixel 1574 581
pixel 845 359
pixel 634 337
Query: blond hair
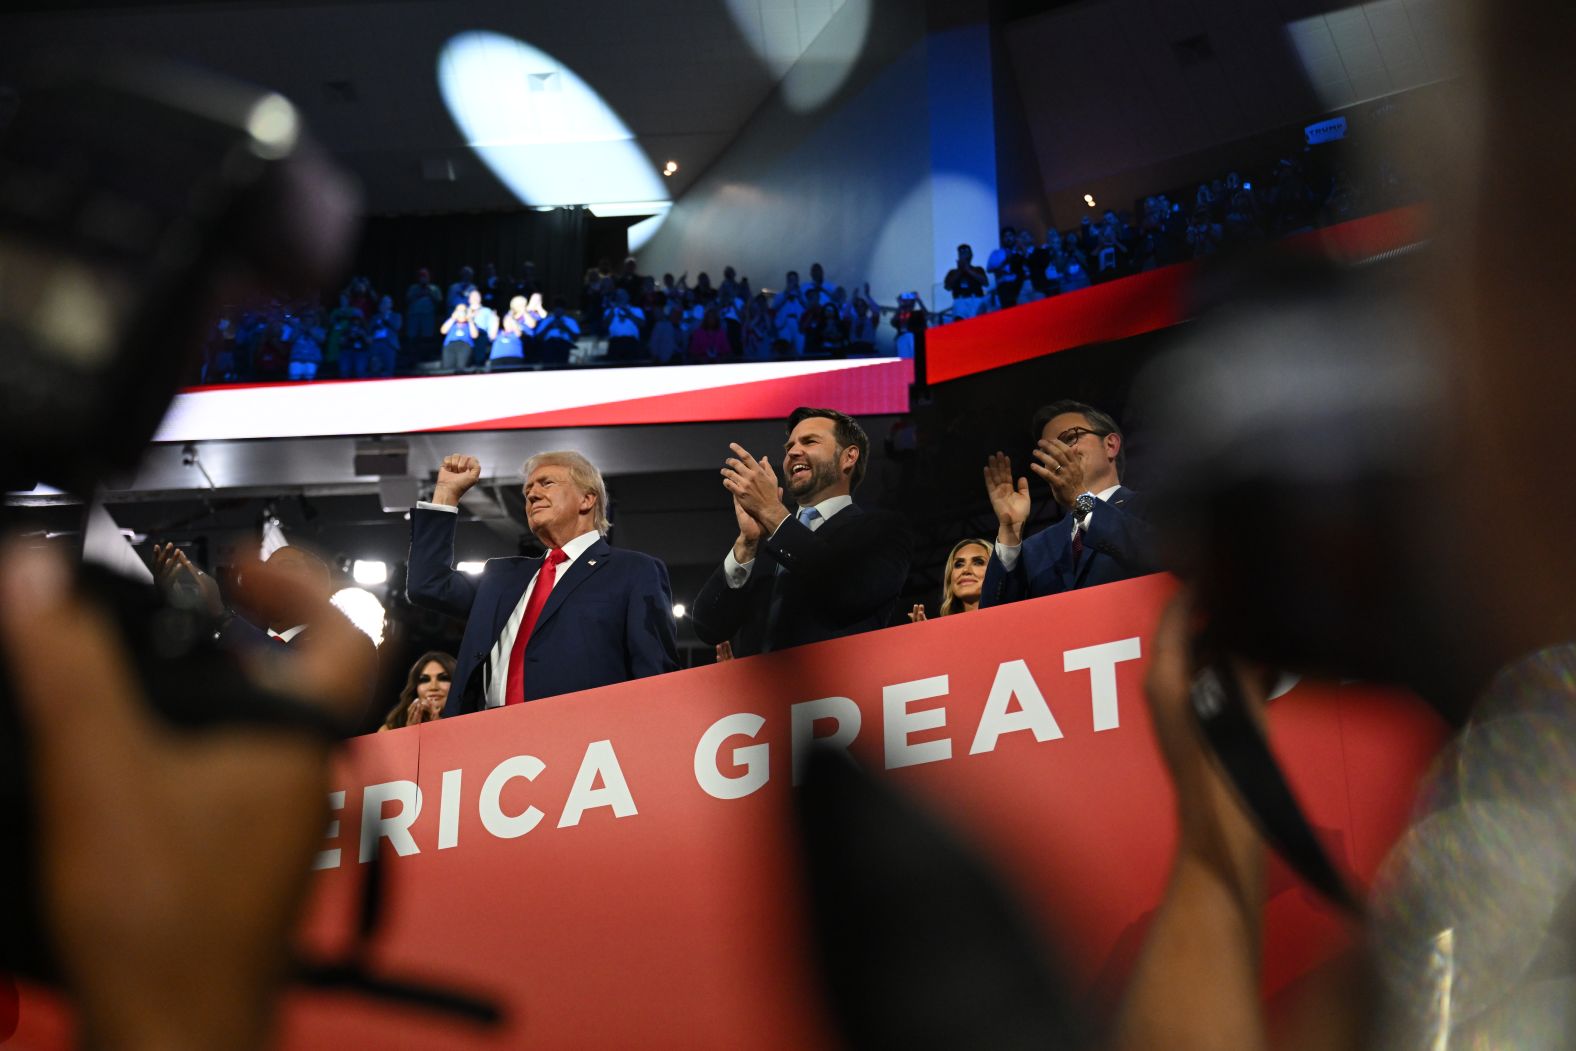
pixel 582 473
pixel 949 601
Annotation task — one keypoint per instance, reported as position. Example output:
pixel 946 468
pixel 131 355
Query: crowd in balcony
pixel 1195 223
pixel 497 323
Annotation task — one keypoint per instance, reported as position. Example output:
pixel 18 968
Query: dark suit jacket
pixel 608 619
pixel 839 580
pixel 1118 545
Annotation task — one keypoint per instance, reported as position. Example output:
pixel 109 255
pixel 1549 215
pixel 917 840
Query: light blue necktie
pixel 808 515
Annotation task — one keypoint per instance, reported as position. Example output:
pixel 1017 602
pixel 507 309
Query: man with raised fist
pixel 584 615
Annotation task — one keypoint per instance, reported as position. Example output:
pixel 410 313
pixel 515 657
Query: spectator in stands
pixel 1023 265
pixel 730 289
pixel 667 342
pixel 595 294
pixel 966 283
pixel 728 308
pixel 708 344
pixel 459 339
pixel 862 329
pixel 524 318
pixel 460 290
pixel 492 287
pixel 525 283
pixel 355 351
pixel 1110 255
pixel 486 325
pixel 704 293
pixel 623 324
pixel 383 334
pixel 1203 235
pixel 788 309
pixel 339 322
pixel 610 615
pixel 508 350
pixel 629 280
pixel 909 321
pixel 759 331
pixel 306 354
pixel 426 692
pixel 818 292
pixel 962 578
pixel 556 334
pixel 1045 277
pixel 361 296
pixel 423 301
pixel 998 256
pixel 1101 536
pixel 828 571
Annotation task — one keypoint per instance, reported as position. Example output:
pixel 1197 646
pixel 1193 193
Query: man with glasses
pixel 1101 536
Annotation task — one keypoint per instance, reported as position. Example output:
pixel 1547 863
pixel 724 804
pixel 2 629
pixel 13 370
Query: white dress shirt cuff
pixel 1007 555
pixel 430 506
pixel 735 572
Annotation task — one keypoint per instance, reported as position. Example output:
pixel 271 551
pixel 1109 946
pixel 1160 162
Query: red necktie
pixel 1078 545
pixel 514 689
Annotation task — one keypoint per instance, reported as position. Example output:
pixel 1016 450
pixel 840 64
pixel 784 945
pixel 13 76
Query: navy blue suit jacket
pixel 608 619
pixel 840 579
pixel 1118 545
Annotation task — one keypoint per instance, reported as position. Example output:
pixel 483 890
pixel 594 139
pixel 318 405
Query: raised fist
pixel 456 475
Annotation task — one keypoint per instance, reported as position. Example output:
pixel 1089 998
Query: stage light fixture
pixel 364 571
pixel 473 568
pixel 1089 199
pixel 679 609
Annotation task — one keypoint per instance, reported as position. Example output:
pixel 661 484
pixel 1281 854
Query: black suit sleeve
pixel 1003 585
pixel 856 570
pixel 720 610
pixel 652 642
pixel 432 582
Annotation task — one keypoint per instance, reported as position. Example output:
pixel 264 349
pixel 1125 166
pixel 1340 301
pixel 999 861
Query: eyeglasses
pixel 1072 434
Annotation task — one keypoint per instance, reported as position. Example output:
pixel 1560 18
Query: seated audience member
pixel 556 334
pixel 826 571
pixel 966 282
pixel 425 694
pixel 486 320
pixel 963 577
pixel 1101 536
pixel 708 344
pixel 508 350
pixel 623 324
pixel 459 339
pixel 584 615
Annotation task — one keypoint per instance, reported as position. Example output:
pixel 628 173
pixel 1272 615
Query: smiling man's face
pixel 814 467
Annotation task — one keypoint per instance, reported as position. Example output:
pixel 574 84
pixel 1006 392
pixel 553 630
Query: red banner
pixel 617 868
pixel 1130 306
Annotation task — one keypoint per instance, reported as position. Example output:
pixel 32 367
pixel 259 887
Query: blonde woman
pixel 965 576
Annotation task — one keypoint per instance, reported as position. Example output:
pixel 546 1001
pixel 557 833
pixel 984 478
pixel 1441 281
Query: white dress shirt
pixel 738 573
pixel 1007 554
pixel 498 659
pixel 287 634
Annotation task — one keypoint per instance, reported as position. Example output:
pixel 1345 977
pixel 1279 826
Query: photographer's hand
pixel 1196 984
pixel 172 868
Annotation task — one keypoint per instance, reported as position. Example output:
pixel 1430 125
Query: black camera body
pixel 148 189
